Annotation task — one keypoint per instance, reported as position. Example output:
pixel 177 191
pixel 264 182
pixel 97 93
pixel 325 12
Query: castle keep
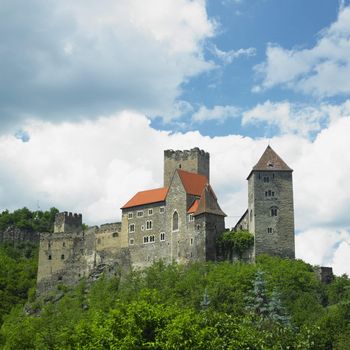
pixel 179 222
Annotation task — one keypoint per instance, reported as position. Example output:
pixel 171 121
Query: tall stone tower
pixel 193 161
pixel 270 206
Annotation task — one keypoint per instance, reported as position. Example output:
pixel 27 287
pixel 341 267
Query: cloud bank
pixel 65 60
pixel 94 167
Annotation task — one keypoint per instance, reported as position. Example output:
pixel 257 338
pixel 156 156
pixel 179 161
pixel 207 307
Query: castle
pixel 179 222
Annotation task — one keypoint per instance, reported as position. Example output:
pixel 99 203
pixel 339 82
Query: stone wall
pixel 68 222
pixel 193 161
pixel 15 236
pixel 145 245
pixel 274 234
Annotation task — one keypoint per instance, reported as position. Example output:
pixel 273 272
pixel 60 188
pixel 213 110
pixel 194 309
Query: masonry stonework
pixel 179 222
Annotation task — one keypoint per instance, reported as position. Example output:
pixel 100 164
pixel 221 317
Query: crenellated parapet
pixel 194 160
pixel 68 222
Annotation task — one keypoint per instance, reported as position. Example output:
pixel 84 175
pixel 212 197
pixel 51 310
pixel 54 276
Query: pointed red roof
pixel 208 203
pixel 147 197
pixel 193 208
pixel 270 161
pixel 193 183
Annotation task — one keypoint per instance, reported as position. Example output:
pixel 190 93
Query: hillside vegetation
pixel 274 304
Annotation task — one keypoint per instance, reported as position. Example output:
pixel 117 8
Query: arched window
pixel 175 221
pixel 273 211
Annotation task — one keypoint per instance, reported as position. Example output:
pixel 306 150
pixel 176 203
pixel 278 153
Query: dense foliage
pixel 24 219
pixel 274 304
pixel 17 275
pixel 230 242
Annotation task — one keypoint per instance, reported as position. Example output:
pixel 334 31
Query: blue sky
pixel 251 24
pixel 92 92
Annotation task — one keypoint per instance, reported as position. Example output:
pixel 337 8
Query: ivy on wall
pixel 230 242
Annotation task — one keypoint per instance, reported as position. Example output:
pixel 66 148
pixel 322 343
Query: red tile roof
pixel 147 197
pixel 193 207
pixel 208 203
pixel 193 183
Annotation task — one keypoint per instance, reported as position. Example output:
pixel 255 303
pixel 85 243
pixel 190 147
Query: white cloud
pixel 87 57
pixel 321 70
pixel 325 248
pixel 94 167
pixel 286 117
pixel 227 57
pixel 218 113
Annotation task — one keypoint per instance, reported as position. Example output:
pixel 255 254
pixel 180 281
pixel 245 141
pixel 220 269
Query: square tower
pixel 193 160
pixel 270 206
pixel 68 222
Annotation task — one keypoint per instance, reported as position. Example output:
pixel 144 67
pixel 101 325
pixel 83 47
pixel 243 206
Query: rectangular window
pixel 190 217
pixel 266 179
pixel 145 239
pixel 162 210
pixel 151 238
pixel 162 236
pixel 130 215
pixel 132 228
pixel 191 241
pixel 269 230
pixel 140 214
pixel 131 241
pixel 149 225
pixel 150 211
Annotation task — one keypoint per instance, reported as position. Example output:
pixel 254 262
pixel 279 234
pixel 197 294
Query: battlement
pixel 68 222
pixel 194 160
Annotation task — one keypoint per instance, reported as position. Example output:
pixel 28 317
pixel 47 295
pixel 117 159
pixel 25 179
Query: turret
pixel 68 222
pixel 194 161
pixel 270 206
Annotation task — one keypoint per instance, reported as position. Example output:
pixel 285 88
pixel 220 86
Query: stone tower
pixel 270 206
pixel 193 161
pixel 68 222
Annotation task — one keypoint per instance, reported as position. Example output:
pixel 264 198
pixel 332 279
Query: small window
pixel 99 241
pixel 269 230
pixel 259 176
pixel 115 234
pixel 162 236
pixel 198 227
pixel 62 257
pixel 63 244
pixel 142 227
pixel 50 257
pixel 191 241
pixel 140 214
pixel 179 166
pixel 150 211
pixel 149 225
pixel 151 238
pixel 132 228
pixel 145 239
pixel 273 175
pixel 130 215
pixel 251 215
pixel 175 221
pixel 190 217
pixel 274 211
pixel 266 179
pixel 131 241
pixel 162 210
pixel 49 245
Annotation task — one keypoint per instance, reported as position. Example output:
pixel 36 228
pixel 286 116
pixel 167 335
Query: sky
pixel 92 92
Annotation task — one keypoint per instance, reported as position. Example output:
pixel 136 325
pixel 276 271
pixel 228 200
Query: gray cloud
pixel 64 60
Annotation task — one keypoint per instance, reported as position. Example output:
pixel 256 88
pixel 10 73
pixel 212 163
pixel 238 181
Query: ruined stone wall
pixel 274 234
pixel 194 161
pixel 108 237
pixel 68 222
pixel 15 236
